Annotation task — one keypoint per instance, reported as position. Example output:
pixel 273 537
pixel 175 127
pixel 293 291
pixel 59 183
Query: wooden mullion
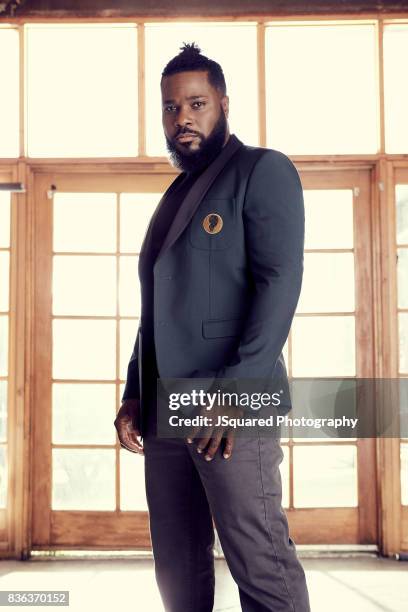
pixel 42 407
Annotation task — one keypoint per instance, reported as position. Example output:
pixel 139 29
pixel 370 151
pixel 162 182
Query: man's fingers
pixel 205 438
pixel 134 439
pixel 229 444
pixel 131 444
pixel 214 444
pixel 193 433
pixel 128 435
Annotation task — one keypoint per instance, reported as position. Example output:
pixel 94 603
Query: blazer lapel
pixel 197 193
pixel 174 185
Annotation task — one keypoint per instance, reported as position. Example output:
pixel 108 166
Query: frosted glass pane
pixel 3 410
pixel 401 196
pixel 4 280
pixel 84 349
pixel 404 474
pixel 83 414
pixel 328 218
pixel 403 342
pixel 402 268
pixel 136 210
pixel 85 222
pixel 285 351
pixel 323 346
pixel 328 283
pixel 128 331
pixel 84 285
pixel 4 218
pixel 3 476
pixel 4 345
pixel 163 41
pixel 395 88
pixel 132 482
pixel 333 484
pixel 311 71
pixel 83 479
pixel 9 100
pixel 82 90
pixel 129 287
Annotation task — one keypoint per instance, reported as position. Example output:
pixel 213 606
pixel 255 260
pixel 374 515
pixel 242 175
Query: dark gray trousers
pixel 243 496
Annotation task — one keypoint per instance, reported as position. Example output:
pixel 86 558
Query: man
pixel 221 270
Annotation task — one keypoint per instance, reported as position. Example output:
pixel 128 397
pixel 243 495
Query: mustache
pixel 183 132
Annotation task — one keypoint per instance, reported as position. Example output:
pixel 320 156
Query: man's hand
pixel 127 425
pixel 212 436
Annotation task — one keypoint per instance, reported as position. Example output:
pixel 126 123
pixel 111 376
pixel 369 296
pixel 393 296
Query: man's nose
pixel 183 118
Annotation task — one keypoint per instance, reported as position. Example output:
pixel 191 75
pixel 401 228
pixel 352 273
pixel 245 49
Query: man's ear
pixel 225 105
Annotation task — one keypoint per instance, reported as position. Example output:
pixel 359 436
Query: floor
pixel 358 584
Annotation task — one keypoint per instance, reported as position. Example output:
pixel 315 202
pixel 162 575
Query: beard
pixel 210 147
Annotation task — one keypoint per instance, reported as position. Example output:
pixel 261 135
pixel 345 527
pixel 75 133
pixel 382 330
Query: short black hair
pixel 190 58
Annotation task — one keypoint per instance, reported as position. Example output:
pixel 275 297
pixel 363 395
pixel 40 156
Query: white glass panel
pixel 3 410
pixel 132 482
pixel 129 287
pixel 82 90
pixel 128 331
pixel 84 285
pixel 316 398
pixel 163 42
pixel 4 218
pixel 83 479
pixel 328 283
pixel 285 476
pixel 83 414
pixel 321 88
pixel 328 218
pixel 403 342
pixel 402 278
pixel 3 476
pixel 323 346
pixel 325 476
pixel 136 210
pixel 401 194
pixel 404 474
pixel 9 99
pixel 84 349
pixel 85 222
pixel 4 322
pixel 4 280
pixel 285 352
pixel 395 88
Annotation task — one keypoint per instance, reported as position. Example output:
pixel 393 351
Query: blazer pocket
pixel 222 328
pixel 213 224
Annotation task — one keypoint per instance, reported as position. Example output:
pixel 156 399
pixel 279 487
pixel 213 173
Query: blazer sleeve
pixel 274 220
pixel 132 390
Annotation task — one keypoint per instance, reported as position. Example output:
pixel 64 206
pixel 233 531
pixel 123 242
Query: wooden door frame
pixel 359 524
pixel 53 529
pixel 394 516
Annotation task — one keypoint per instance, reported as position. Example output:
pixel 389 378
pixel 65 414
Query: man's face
pixel 194 119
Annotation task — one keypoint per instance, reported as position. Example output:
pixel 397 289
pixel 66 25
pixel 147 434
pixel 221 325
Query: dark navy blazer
pixel 224 302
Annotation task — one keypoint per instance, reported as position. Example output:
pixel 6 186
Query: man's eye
pixel 169 109
pixel 198 104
